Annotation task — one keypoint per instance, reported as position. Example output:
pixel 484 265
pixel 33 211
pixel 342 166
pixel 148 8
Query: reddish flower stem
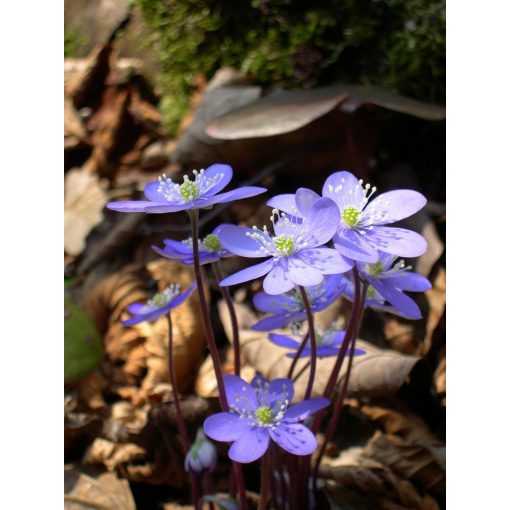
pixel 313 342
pixel 233 317
pixel 298 354
pixel 181 425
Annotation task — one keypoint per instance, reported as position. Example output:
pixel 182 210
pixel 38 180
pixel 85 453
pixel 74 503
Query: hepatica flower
pixel 361 230
pixel 209 249
pixel 159 305
pixel 289 307
pixel 260 412
pixel 202 456
pixel 295 250
pixel 165 196
pixel 328 343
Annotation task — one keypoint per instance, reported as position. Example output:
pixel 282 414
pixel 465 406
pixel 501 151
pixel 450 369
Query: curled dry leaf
pixel 376 373
pixel 100 492
pixel 379 486
pixel 84 201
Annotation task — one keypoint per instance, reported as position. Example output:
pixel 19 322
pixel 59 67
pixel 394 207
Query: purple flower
pixel 209 249
pixel 387 279
pixel 166 196
pixel 328 343
pixel 159 305
pixel 202 457
pixel 295 250
pixel 259 412
pixel 361 231
pixel 289 307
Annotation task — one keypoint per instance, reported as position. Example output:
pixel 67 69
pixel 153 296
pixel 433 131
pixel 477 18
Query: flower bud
pixel 201 457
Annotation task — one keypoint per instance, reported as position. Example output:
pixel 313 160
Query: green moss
pixel 74 41
pixel 83 349
pixel 398 44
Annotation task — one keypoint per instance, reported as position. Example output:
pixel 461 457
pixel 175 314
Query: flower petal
pixel 274 304
pixel 212 172
pixel 226 426
pixel 344 189
pixel 250 273
pixel 406 280
pixel 321 223
pixel 397 241
pixel 236 194
pixel 302 410
pixel 278 321
pixel 177 246
pixel 285 202
pixel 394 205
pixel 129 205
pixel 284 341
pixel 136 308
pixel 396 297
pixel 162 208
pixel 351 244
pixel 277 281
pixel 279 388
pixel 325 260
pixel 240 394
pixel 237 240
pixel 179 299
pixel 152 193
pixel 333 286
pixel 294 438
pixel 305 198
pixel 301 272
pixel 250 446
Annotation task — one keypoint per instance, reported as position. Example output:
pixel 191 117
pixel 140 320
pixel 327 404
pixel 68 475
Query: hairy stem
pixel 264 482
pixel 298 354
pixel 313 342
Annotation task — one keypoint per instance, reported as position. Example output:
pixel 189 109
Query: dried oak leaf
pixel 102 492
pixel 376 373
pixel 84 201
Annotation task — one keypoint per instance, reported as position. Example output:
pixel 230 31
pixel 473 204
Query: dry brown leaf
pixel 102 492
pixel 110 454
pixel 376 373
pixel 84 201
pixel 75 132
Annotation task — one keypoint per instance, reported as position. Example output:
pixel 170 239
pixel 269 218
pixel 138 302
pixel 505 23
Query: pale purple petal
pixel 303 273
pixel 397 298
pixel 178 246
pixel 162 209
pixel 250 273
pixel 250 446
pixel 294 438
pixel 180 298
pixel 302 410
pixel 278 321
pixel 136 308
pixel 325 260
pixel 394 206
pixel 284 341
pixel 334 286
pixel 305 198
pixel 406 280
pixel 285 203
pixel 152 193
pixel 240 394
pixel 278 281
pixel 274 304
pixel 226 426
pixel 236 194
pixel 321 223
pixel 344 189
pixel 170 253
pixel 236 240
pixel 213 171
pixel 397 241
pixel 351 244
pixel 133 320
pixel 280 388
pixel 129 205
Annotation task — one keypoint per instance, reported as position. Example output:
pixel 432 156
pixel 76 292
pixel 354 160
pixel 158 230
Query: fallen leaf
pixel 84 201
pixel 102 492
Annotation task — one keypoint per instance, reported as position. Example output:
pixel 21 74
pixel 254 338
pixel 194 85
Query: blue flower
pixel 165 196
pixel 328 343
pixel 361 230
pixel 260 412
pixel 289 307
pixel 297 255
pixel 159 305
pixel 202 457
pixel 209 249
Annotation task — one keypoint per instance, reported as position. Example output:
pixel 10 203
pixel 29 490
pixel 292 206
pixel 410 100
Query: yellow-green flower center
pixel 159 299
pixel 188 191
pixel 264 415
pixel 284 244
pixel 370 292
pixel 211 242
pixel 376 269
pixel 350 216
